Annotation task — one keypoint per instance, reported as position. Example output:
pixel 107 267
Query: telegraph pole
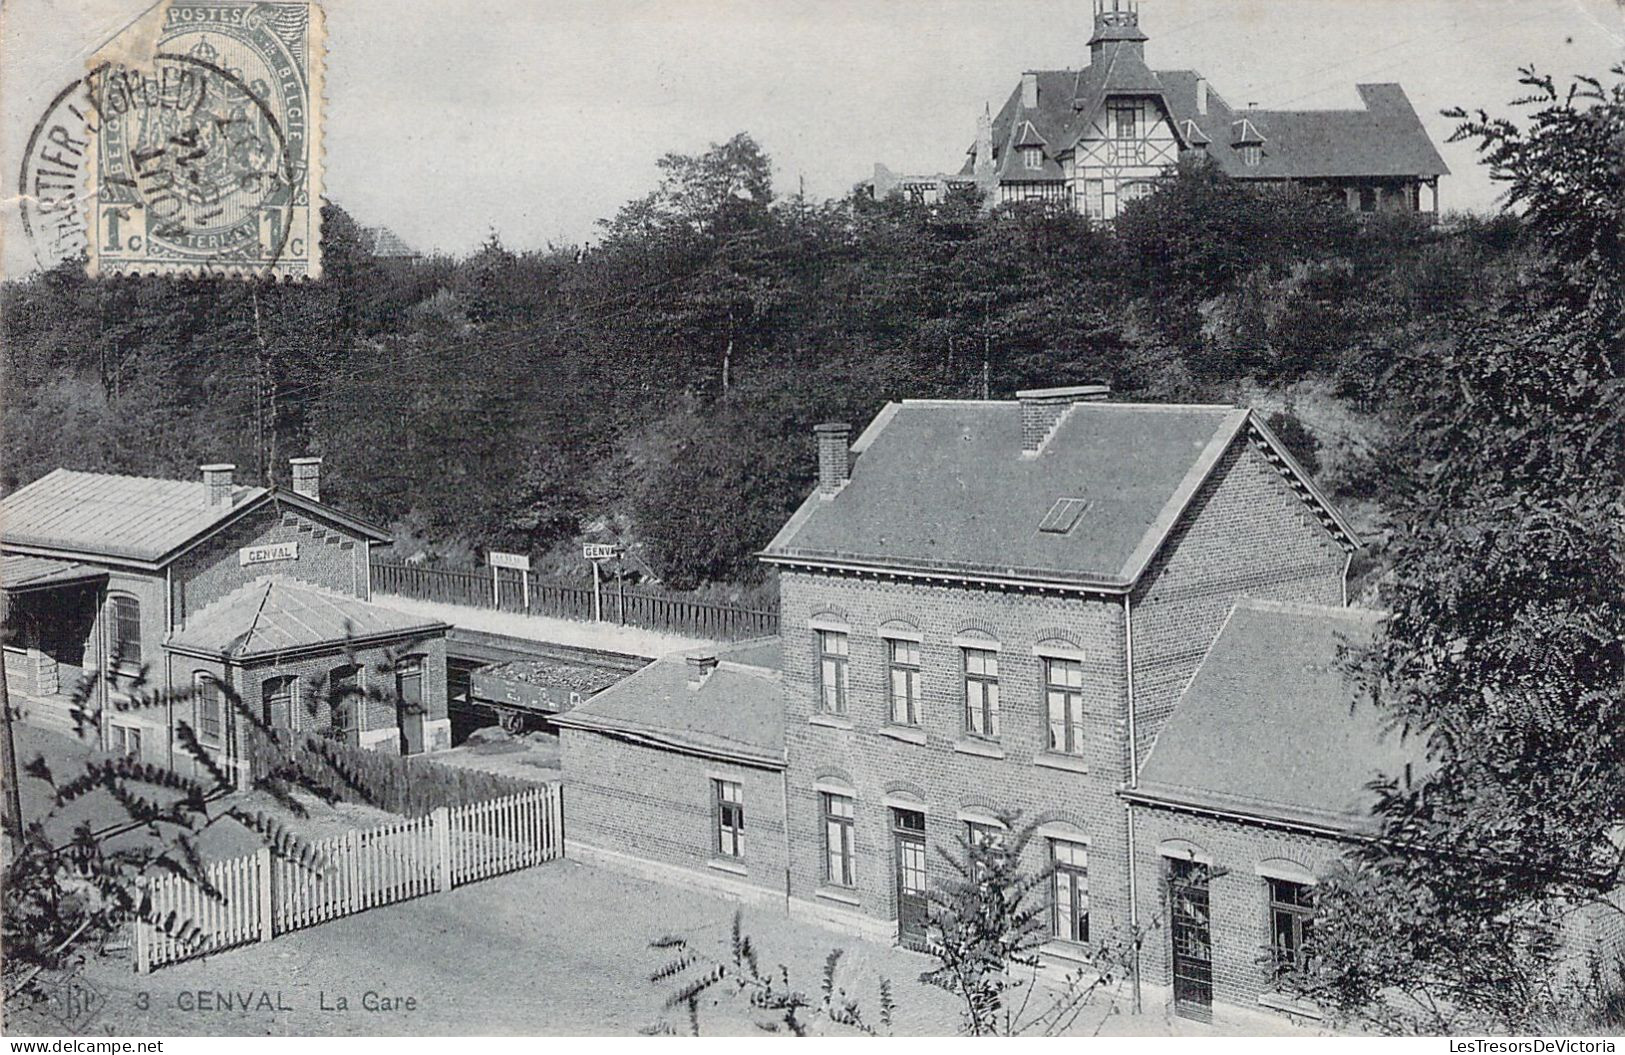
pixel 12 806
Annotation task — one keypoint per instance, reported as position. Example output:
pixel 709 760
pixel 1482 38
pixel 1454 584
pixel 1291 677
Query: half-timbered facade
pixel 1099 137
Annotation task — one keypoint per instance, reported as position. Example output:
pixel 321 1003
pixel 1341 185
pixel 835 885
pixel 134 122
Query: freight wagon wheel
pixel 512 721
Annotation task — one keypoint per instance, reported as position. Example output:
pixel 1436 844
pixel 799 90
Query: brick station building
pixel 203 583
pixel 995 607
pixel 676 773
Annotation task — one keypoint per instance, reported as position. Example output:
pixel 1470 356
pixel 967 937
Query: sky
pixel 449 119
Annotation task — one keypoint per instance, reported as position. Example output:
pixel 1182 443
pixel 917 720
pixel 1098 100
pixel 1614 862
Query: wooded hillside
pixel 660 386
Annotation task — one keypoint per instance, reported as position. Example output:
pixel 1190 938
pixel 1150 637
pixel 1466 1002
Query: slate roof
pixel 1384 138
pixel 386 243
pixel 1271 728
pixel 736 713
pixel 116 516
pixel 132 517
pixel 19 573
pixel 943 486
pixel 275 615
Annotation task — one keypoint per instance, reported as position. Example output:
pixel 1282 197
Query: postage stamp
pixel 205 153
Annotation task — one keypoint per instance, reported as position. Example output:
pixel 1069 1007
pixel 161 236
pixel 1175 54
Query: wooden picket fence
pixel 261 896
pixel 629 607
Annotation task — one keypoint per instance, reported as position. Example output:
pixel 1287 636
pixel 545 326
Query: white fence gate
pixel 261 896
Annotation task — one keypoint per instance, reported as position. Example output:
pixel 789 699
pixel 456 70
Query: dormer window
pixel 1032 158
pixel 1251 155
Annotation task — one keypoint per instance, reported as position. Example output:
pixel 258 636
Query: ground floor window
pixel 125 740
pixel 345 699
pixel 838 815
pixel 728 801
pixel 1292 909
pixel 211 718
pixel 279 698
pixel 1070 864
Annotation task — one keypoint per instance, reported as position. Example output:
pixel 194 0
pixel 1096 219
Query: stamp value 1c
pixel 207 154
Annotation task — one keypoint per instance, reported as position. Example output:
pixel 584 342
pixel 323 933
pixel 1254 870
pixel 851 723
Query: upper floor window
pixel 832 672
pixel 1063 695
pixel 1033 157
pixel 1069 864
pixel 982 692
pixel 728 798
pixel 838 815
pixel 126 630
pixel 1125 121
pixel 905 681
pixel 1251 155
pixel 211 716
pixel 1292 909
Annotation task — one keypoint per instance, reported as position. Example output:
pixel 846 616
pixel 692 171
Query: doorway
pixel 913 908
pixel 1190 927
pixel 409 704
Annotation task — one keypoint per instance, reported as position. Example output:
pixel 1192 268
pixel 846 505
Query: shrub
pixel 409 786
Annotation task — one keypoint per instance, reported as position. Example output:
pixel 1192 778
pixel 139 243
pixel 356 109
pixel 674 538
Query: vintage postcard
pixel 1088 519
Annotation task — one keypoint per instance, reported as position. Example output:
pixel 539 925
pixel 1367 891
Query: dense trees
pixel 1505 650
pixel 661 384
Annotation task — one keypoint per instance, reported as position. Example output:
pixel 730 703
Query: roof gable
pixel 142 520
pixel 277 615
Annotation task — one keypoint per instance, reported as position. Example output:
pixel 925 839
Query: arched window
pixel 210 709
pixel 124 630
pixel 279 700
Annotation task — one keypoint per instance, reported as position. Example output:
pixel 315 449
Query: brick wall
pixel 1246 534
pixel 378 717
pixel 1238 897
pixel 657 805
pixel 329 556
pixel 938 773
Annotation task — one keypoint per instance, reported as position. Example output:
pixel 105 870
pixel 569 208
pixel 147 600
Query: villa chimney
pixel 217 482
pixel 700 668
pixel 307 477
pixel 834 456
pixel 1043 408
pixel 1201 96
pixel 1029 90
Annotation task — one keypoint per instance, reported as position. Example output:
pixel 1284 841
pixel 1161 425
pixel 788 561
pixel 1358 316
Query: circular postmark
pixel 54 188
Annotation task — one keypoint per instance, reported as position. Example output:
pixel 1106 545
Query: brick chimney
pixel 1043 408
pixel 217 482
pixel 307 477
pixel 700 668
pixel 1029 90
pixel 1201 96
pixel 834 456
